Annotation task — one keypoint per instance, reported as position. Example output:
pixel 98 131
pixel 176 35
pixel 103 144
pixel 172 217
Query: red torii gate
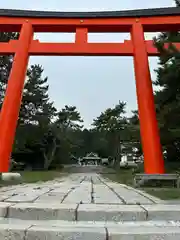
pixel 136 22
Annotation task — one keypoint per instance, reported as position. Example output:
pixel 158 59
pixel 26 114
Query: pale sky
pixel 90 83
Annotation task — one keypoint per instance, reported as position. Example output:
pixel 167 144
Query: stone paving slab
pixel 12 232
pixel 42 211
pixel 82 194
pixel 90 212
pixel 63 189
pixel 3 197
pixel 65 233
pixel 84 232
pixel 130 195
pixel 163 212
pixel 50 197
pixel 4 206
pixel 116 213
pixel 142 233
pixel 171 202
pixel 25 197
pixel 102 194
pixel 146 195
pixel 60 223
pixel 115 185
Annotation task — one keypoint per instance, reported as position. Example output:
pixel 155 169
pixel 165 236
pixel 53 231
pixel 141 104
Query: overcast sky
pixel 90 83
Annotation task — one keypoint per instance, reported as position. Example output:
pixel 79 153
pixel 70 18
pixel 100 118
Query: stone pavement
pixel 85 206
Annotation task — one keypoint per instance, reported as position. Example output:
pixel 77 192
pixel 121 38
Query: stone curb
pixel 82 232
pixel 89 212
pixel 61 223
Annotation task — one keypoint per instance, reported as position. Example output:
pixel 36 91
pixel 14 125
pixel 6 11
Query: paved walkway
pixel 81 188
pixel 84 206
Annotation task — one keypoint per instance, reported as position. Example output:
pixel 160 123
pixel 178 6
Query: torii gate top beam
pixel 160 19
pixel 151 12
pixel 153 20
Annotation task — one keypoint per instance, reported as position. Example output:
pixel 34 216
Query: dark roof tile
pixel 171 11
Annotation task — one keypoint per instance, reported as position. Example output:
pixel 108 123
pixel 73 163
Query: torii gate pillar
pixel 12 101
pixel 153 157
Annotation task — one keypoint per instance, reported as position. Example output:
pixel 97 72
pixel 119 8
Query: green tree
pixel 167 97
pixel 131 135
pixel 35 118
pixel 95 141
pixel 66 130
pixel 112 123
pixel 177 3
pixel 36 107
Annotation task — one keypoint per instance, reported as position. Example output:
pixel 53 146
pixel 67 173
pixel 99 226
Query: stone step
pixel 89 212
pixel 61 230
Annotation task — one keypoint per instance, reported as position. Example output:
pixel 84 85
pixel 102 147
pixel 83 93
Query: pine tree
pixel 167 98
pixel 36 114
pixel 112 123
pixel 36 107
pixel 177 3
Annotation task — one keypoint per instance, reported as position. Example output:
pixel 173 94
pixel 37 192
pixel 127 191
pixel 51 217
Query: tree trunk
pixel 48 159
pixel 117 152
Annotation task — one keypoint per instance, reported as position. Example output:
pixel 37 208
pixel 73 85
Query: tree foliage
pixel 167 97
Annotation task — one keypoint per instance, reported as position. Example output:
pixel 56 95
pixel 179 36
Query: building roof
pixel 171 11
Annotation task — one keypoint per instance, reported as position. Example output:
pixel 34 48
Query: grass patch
pixel 164 193
pixel 34 176
pixel 125 176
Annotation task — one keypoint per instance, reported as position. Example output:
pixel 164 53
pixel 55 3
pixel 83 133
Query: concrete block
pixel 156 180
pixel 143 233
pixel 13 232
pixel 11 176
pixel 81 194
pixel 42 211
pixel 132 197
pixel 22 198
pixel 107 199
pixel 3 197
pixel 146 195
pixel 4 208
pixel 162 212
pixel 28 194
pixel 103 194
pixel 105 212
pixel 50 197
pixel 65 233
pixel 64 189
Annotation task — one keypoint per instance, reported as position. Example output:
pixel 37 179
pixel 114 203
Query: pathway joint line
pixel 112 190
pixel 92 191
pixel 146 211
pixel 65 196
pixel 76 212
pixel 42 195
pixel 71 190
pixel 25 232
pixel 140 193
pixel 107 234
